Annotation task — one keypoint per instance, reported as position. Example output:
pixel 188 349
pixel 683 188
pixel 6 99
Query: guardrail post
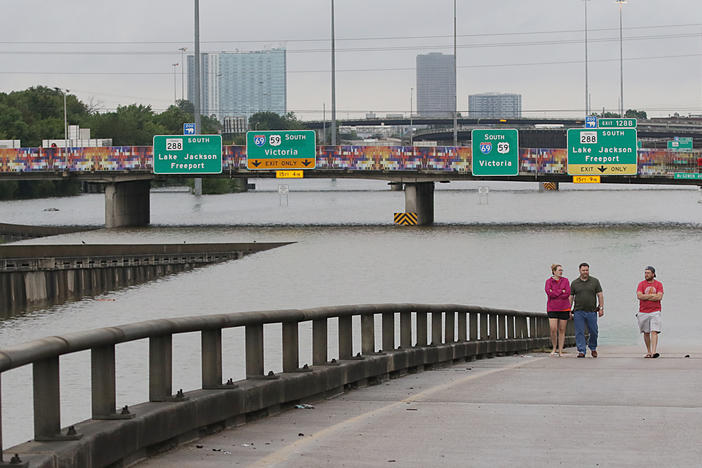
pixel 367 334
pixel 501 327
pixel 160 367
pixel 422 339
pixel 345 337
pixel 211 350
pixel 319 342
pixel 388 331
pixel 436 328
pixel 449 327
pixel 462 326
pixel 406 330
pixel 473 324
pixel 291 347
pixel 102 371
pixel 254 350
pixel 47 402
pixel 483 326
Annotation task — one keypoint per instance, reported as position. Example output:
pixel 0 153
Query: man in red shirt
pixel 650 292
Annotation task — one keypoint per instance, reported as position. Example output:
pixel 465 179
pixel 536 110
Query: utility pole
pixel 196 88
pixel 333 80
pixel 455 81
pixel 182 72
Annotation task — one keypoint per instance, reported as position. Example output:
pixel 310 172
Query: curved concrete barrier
pixel 166 420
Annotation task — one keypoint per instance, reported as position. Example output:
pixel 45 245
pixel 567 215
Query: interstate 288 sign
pixel 281 149
pixel 495 152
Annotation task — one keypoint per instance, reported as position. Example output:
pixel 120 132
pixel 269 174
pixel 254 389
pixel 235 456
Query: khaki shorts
pixel 649 322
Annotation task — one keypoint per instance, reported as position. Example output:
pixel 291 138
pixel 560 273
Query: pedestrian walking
pixel 650 293
pixel 557 307
pixel 587 304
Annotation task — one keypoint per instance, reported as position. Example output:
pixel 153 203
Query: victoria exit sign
pixel 602 151
pixel 187 154
pixel 281 149
pixel 495 152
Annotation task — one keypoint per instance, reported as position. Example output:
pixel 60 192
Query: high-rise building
pixel 436 85
pixel 239 84
pixel 495 106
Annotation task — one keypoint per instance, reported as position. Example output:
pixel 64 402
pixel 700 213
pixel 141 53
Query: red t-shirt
pixel 653 287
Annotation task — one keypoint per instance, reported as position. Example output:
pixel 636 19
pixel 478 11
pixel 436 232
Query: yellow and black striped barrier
pixel 550 186
pixel 406 219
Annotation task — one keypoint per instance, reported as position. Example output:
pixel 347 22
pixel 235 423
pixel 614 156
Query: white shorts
pixel 649 322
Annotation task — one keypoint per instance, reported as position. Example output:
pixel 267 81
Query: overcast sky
pixel 118 53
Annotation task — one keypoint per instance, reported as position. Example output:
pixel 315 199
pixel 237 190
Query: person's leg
pixel 579 321
pixel 561 334
pixel 647 340
pixel 592 327
pixel 553 324
pixel 654 343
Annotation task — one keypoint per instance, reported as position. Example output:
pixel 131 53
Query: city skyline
pixel 110 55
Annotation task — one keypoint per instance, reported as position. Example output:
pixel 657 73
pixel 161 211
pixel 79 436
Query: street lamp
pixel 175 97
pixel 65 128
pixel 587 92
pixel 182 73
pixel 621 61
pixel 455 81
pixel 411 129
pixel 333 80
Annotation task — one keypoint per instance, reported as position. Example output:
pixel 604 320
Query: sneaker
pixel 594 353
pixel 581 354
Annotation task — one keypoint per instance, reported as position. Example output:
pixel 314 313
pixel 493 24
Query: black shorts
pixel 559 315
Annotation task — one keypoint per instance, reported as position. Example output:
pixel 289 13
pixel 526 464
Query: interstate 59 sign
pixel 495 152
pixel 281 149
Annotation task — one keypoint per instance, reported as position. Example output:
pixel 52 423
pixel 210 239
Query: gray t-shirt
pixel 585 293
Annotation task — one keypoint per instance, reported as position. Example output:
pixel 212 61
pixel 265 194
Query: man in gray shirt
pixel 587 303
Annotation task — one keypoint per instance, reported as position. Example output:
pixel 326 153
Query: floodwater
pixel 492 249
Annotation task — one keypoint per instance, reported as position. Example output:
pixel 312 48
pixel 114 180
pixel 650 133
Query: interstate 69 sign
pixel 495 152
pixel 281 149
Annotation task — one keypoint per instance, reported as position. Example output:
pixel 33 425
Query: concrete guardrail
pixel 429 335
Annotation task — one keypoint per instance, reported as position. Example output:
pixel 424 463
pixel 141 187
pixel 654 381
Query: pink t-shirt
pixel 653 287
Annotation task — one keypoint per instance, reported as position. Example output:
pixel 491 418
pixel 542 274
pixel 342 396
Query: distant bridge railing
pixel 412 337
pixel 448 159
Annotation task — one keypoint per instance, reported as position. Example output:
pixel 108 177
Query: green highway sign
pixel 688 175
pixel 616 123
pixel 680 144
pixel 187 154
pixel 495 152
pixel 281 149
pixel 602 151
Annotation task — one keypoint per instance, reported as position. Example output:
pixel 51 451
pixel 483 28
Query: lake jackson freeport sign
pixel 603 151
pixel 187 154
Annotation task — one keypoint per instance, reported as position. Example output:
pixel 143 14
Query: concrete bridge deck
pixel 523 410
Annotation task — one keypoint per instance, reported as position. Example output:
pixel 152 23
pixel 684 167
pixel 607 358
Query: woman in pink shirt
pixel 558 307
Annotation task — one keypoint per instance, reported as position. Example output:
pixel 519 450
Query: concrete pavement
pixel 527 410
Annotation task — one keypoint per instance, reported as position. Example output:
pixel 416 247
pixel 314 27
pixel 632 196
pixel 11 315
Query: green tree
pixel 636 114
pixel 273 121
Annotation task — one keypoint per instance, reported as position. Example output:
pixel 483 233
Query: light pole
pixel 182 72
pixel 621 61
pixel 196 87
pixel 175 97
pixel 455 82
pixel 587 92
pixel 65 128
pixel 333 80
pixel 411 129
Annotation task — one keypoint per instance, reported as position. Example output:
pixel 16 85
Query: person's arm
pixel 549 290
pixel 600 300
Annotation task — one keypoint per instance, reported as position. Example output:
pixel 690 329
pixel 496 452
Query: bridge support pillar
pixel 127 204
pixel 419 198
